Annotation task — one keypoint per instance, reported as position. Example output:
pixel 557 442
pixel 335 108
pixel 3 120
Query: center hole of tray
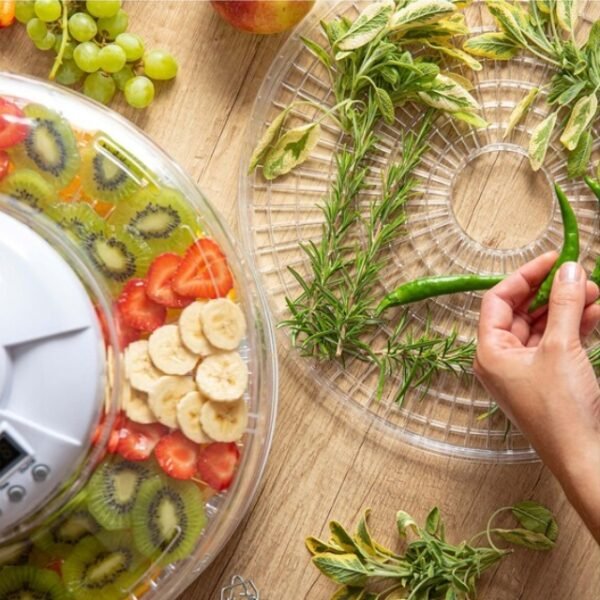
pixel 499 201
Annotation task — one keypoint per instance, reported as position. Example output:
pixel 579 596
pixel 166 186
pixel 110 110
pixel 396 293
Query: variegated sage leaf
pixel 385 105
pixel 579 158
pixel 419 13
pixel 268 137
pixel 593 41
pixel 363 537
pixel 581 116
pixel 404 522
pixel 346 569
pixel 521 110
pixel 461 80
pixel 540 140
pixel 526 538
pixel 445 94
pixel 536 517
pixel 507 20
pixel 545 6
pixel 571 93
pixel 349 593
pixel 367 26
pixel 292 149
pixel 316 546
pixel 340 537
pixel 433 521
pixel 458 54
pixel 566 14
pixel 471 118
pixel 497 46
pixel 318 51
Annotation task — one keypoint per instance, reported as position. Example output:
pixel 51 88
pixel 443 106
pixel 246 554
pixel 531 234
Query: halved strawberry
pixel 137 441
pixel 13 128
pixel 137 310
pixel 203 272
pixel 177 455
pixel 4 164
pixel 160 281
pixel 217 464
pixel 125 333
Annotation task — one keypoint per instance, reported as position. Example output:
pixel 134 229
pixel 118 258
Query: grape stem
pixel 64 41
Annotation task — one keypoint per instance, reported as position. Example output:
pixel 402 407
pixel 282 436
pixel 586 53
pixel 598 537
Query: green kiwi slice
pixel 50 146
pixel 30 188
pixel 167 519
pixel 76 218
pixel 105 567
pixel 160 217
pixel 60 537
pixel 30 583
pixel 113 490
pixel 16 553
pixel 107 174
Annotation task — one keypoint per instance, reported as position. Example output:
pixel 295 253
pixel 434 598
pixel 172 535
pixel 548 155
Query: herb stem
pixel 64 25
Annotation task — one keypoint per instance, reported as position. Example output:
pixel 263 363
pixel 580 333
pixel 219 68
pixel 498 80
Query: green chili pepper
pixel 569 252
pixel 593 185
pixel 427 287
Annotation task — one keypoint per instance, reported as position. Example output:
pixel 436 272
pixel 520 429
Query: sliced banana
pixel 224 421
pixel 188 417
pixel 190 328
pixel 135 405
pixel 166 395
pixel 223 323
pixel 222 377
pixel 168 353
pixel 140 371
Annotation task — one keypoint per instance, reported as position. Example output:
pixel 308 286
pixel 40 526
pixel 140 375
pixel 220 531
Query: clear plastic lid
pixel 137 361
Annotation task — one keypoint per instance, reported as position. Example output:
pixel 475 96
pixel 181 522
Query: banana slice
pixel 188 417
pixel 168 353
pixel 135 405
pixel 223 323
pixel 140 371
pixel 224 421
pixel 190 328
pixel 166 395
pixel 222 377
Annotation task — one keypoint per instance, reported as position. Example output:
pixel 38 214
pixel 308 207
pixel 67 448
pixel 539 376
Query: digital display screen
pixel 10 453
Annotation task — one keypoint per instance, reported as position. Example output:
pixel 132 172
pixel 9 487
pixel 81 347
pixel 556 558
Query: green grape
pixel 132 44
pixel 36 29
pixel 112 58
pixel 159 64
pixel 99 86
pixel 24 11
pixel 103 8
pixel 111 27
pixel 87 57
pixel 82 27
pixel 47 43
pixel 69 73
pixel 69 46
pixel 48 10
pixel 139 92
pixel 123 76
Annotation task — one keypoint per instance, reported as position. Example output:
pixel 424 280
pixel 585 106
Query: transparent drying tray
pixel 224 511
pixel 464 218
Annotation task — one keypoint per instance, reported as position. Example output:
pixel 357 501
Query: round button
pixel 40 473
pixel 16 493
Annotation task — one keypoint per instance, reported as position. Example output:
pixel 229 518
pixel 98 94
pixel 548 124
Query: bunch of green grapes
pixel 93 47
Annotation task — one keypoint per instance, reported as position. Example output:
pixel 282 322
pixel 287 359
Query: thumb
pixel 567 301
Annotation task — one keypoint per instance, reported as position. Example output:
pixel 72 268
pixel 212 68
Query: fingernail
pixel 570 272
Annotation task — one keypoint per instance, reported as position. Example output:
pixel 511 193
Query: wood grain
pixel 326 462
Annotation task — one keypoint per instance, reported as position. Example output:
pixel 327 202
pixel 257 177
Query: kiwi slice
pixel 116 254
pixel 167 519
pixel 160 217
pixel 16 553
pixel 30 583
pixel 30 188
pixel 105 567
pixel 107 174
pixel 113 490
pixel 59 537
pixel 50 146
pixel 76 218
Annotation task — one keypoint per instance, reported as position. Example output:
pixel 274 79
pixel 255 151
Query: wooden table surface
pixel 323 464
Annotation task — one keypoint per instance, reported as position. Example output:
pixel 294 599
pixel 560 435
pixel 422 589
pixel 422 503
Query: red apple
pixel 263 16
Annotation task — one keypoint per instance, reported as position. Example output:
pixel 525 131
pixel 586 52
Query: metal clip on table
pixel 240 589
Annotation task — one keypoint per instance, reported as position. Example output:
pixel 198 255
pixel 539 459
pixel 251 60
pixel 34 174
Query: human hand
pixel 537 370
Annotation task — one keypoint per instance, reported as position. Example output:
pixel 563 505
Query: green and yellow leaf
pixel 508 18
pixel 520 110
pixel 349 593
pixel 579 158
pixel 385 105
pixel 367 26
pixel 345 569
pixel 341 538
pixel 581 116
pixel 536 517
pixel 316 546
pixel 268 137
pixel 404 522
pixel 526 538
pixel 457 54
pixel 472 119
pixel 449 96
pixel 566 14
pixel 494 45
pixel 544 6
pixel 292 149
pixel 420 13
pixel 318 51
pixel 463 81
pixel 540 140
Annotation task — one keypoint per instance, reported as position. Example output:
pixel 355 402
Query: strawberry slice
pixel 177 456
pixel 12 123
pixel 137 441
pixel 113 440
pixel 217 464
pixel 203 272
pixel 125 334
pixel 4 164
pixel 160 280
pixel 137 310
